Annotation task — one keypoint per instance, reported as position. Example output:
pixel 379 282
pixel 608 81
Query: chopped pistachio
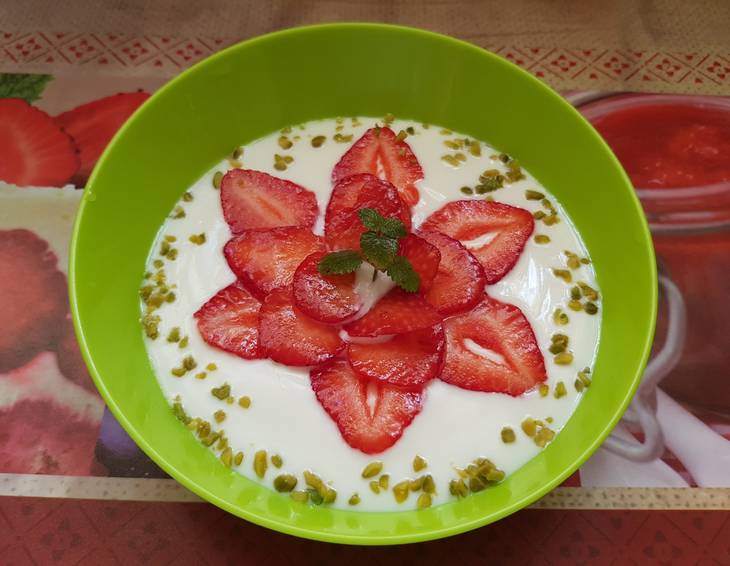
pixel 245 401
pixel 572 260
pixel 429 486
pixel 551 219
pixel 174 335
pixel 563 358
pixel 529 426
pixel 201 375
pixel 158 263
pixel 560 318
pixel 219 416
pixel 578 384
pixel 451 160
pixel 454 144
pixel 284 142
pixel 165 248
pixel 178 212
pixel 211 367
pixel 317 141
pixel 467 190
pixel 372 469
pixel 533 195
pixel 222 392
pixel 508 435
pixel 543 436
pixel 277 461
pixel 313 480
pixel 538 215
pixel 384 481
pixel 401 491
pixel 458 488
pixel 227 457
pixel 590 308
pixel 179 412
pixel 374 487
pixel 285 483
pixel 402 135
pixel 354 499
pixel 238 458
pixel 260 463
pixel 187 197
pixel 475 148
pixel 476 484
pixel 410 131
pixel 329 496
pixel 416 484
pixel 575 293
pixel 583 377
pixel 198 239
pixel 587 291
pixel 340 138
pixel 542 239
pixel 237 153
pixel 423 501
pixel 563 274
pixel 189 363
pixel 544 389
pixel 388 118
pixel 575 305
pixel 230 401
pixel 419 463
pixel 560 390
pixel 217 179
pixel 315 497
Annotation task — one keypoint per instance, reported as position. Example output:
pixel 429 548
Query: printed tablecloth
pixel 75 489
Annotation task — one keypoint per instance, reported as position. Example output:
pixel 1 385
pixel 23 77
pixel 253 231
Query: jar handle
pixel 643 407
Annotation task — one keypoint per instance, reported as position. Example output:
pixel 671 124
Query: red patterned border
pixel 612 69
pixel 43 531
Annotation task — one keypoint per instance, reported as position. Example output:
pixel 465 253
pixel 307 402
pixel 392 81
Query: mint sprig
pixel 379 245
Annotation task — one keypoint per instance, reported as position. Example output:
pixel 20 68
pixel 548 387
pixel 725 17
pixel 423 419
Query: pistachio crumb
pixel 187 197
pixel 467 190
pixel 423 501
pixel 183 342
pixel 284 483
pixel 217 179
pixel 219 416
pixel 340 138
pixel 563 274
pixel 529 426
pixel 544 389
pixel 508 435
pixel 374 487
pixel 384 481
pixel 211 367
pixel 575 305
pixel 560 390
pixel 284 142
pixel 198 239
pixel 238 458
pixel 401 491
pixel 174 335
pixel 410 131
pixel 222 392
pixel 201 375
pixel 300 496
pixel 277 461
pixel 354 499
pixel 227 457
pixel 563 358
pixel 542 239
pixel 260 463
pixel 419 463
pixel 372 469
pixel 534 195
pixel 317 141
pixel 245 401
pixel 590 308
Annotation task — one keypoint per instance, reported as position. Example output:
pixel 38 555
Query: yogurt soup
pixel 371 314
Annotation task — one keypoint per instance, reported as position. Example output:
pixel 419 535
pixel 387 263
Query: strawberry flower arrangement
pixel 307 300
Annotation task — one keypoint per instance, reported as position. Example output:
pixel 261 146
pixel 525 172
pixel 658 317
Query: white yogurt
pixel 455 425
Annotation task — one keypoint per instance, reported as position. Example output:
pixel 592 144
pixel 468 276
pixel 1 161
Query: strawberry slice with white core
pixel 469 220
pixel 291 337
pixel 345 398
pixel 380 152
pixel 252 199
pixel 423 256
pixel 406 360
pixel 397 312
pixel 230 321
pixel 33 149
pixel 459 281
pixel 492 348
pixel 327 298
pixel 266 259
pixel 342 224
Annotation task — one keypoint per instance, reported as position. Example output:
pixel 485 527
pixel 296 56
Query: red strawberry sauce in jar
pixel 676 150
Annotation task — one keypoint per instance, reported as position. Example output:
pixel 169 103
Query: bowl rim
pixel 285 526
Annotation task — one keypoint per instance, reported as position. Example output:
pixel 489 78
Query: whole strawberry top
pixel 305 300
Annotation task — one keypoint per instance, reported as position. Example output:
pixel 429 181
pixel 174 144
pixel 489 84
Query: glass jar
pixel 676 150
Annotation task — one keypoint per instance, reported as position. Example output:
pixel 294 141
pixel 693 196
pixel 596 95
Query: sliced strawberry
pixel 424 258
pixel 397 312
pixel 327 298
pixel 405 360
pixel 502 329
pixel 33 299
pixel 380 151
pixel 291 337
pixel 229 321
pixel 459 282
pixel 266 259
pixel 342 225
pixel 469 219
pixel 345 398
pixel 252 199
pixel 93 125
pixel 33 150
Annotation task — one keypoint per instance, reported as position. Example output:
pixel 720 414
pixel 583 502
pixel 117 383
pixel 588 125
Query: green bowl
pixel 323 71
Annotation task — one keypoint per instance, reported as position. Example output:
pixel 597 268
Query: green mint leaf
pixel 378 250
pixel 339 263
pixel 27 87
pixel 393 228
pixel 402 273
pixel 371 219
